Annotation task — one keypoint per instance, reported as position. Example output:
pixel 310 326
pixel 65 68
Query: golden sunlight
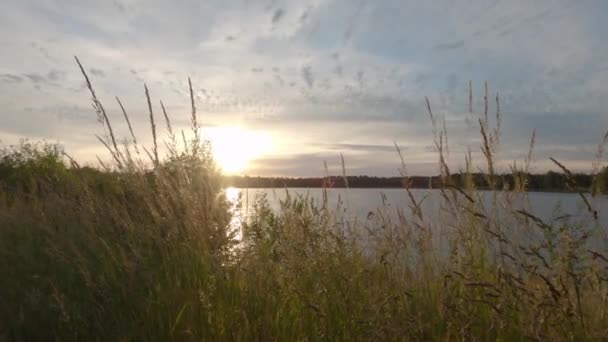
pixel 234 147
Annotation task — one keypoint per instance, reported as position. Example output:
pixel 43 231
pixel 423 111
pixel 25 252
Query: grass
pixel 143 250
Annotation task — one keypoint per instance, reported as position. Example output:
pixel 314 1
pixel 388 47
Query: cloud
pixel 352 22
pixel 10 78
pixel 308 76
pixel 449 46
pixel 360 147
pixel 35 78
pixel 52 78
pixel 305 15
pixel 343 76
pixel 278 14
pixel 97 72
pixel 55 75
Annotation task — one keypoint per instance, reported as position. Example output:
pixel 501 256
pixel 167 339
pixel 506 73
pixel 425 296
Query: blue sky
pixel 318 77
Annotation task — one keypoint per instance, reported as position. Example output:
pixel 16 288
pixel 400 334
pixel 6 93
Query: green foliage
pixel 26 162
pixel 105 254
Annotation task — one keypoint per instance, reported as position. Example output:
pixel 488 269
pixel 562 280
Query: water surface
pixel 548 206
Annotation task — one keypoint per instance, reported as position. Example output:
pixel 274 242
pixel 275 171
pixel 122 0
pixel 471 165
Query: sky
pixel 313 79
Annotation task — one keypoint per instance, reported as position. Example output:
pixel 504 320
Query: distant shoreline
pixel 549 182
pixel 392 188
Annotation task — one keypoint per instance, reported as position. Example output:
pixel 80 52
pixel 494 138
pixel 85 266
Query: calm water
pixel 358 203
pixel 370 208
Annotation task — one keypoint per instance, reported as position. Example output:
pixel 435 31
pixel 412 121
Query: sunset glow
pixel 235 147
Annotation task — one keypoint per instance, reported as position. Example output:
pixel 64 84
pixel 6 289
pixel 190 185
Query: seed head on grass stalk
pixel 194 120
pixel 124 113
pixel 439 136
pixel 172 146
pixel 153 127
pixel 102 116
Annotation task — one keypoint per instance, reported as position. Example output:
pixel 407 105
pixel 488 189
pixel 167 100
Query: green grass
pixel 143 250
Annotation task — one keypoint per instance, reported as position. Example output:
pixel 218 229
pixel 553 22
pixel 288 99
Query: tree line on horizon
pixel 549 181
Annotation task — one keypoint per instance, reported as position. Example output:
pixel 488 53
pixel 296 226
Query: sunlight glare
pixel 234 147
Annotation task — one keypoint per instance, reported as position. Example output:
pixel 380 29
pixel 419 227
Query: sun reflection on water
pixel 233 195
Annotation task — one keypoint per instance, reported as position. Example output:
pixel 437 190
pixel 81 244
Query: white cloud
pixel 347 71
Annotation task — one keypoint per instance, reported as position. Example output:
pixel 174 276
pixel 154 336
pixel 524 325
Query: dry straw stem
pixel 195 126
pixel 574 186
pixel 153 128
pixel 438 137
pixel 343 170
pixel 102 116
pixel 530 149
pixel 173 144
pixel 124 113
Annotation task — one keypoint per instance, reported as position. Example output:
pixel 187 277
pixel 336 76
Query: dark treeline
pixel 550 181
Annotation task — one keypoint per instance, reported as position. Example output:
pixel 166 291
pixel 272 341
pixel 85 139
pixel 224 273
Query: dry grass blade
pixel 471 97
pixel 598 255
pixel 403 170
pixel 153 127
pixel 561 166
pixel 344 170
pixel 415 206
pixel 325 183
pixel 571 179
pixel 101 112
pixel 535 252
pixel 167 121
pixel 96 102
pixel 124 113
pixel 103 165
pixel 496 135
pixel 150 155
pixel 185 142
pixel 428 108
pixel 554 292
pixel 194 119
pixel 530 149
pixel 534 218
pixel 438 137
pixel 485 104
pixel 108 148
pixel 73 162
pixel 133 138
pixel 486 149
pixel 173 145
pixel 462 192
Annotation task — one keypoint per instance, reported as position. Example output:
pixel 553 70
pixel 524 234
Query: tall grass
pixel 143 250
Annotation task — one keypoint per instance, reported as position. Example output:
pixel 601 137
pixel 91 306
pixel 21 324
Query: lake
pixel 359 202
pixel 364 205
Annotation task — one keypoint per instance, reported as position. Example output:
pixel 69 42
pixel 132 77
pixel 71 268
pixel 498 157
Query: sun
pixel 234 147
